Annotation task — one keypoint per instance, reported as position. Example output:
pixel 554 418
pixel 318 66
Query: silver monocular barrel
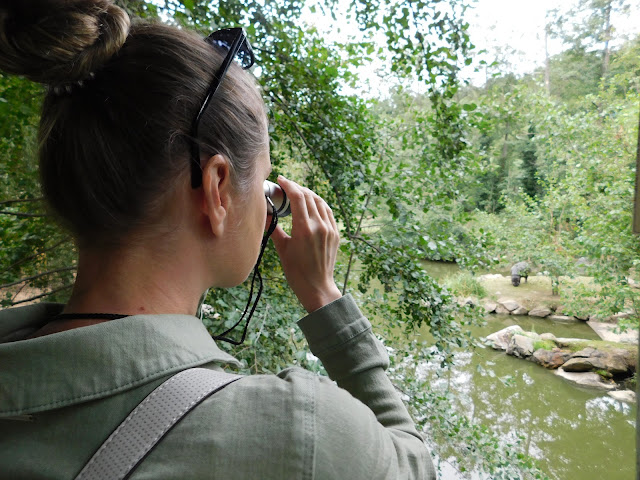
pixel 278 197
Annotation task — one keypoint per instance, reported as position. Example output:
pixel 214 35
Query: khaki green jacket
pixel 61 396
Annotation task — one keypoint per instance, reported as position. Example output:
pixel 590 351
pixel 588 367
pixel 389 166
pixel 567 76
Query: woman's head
pixel 116 120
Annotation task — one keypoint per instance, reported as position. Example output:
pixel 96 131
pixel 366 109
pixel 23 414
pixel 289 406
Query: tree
pixel 338 145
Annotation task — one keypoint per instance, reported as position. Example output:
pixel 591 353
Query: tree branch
pixel 30 299
pixel 35 255
pixel 26 215
pixel 20 200
pixel 39 275
pixel 312 151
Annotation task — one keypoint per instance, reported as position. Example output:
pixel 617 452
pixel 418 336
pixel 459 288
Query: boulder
pixel 607 331
pixel 500 340
pixel 520 311
pixel 520 346
pixel 585 379
pixel 490 307
pixel 501 309
pixel 585 353
pixel 510 305
pixel 627 396
pixel 615 361
pixel 540 312
pixel 548 336
pixel 561 318
pixel 550 358
pixel 584 364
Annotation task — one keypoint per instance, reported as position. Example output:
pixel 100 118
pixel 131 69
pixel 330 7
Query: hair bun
pixel 59 42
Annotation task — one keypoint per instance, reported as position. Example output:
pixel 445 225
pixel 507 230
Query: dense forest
pixel 537 167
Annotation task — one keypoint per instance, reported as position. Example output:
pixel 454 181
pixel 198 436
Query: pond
pixel 573 432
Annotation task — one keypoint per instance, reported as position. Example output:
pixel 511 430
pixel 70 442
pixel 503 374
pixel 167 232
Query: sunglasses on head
pixel 234 42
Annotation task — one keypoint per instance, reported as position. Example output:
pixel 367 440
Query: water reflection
pixel 572 432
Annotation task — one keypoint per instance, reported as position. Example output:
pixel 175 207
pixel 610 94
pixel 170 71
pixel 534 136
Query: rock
pixel 585 353
pixel 501 309
pixel 583 364
pixel 586 379
pixel 571 342
pixel 500 339
pixel 520 311
pixel 550 358
pixel 490 307
pixel 582 316
pixel 561 318
pixel 520 346
pixel 606 331
pixel 615 361
pixel 628 396
pixel 510 305
pixel 548 336
pixel 540 312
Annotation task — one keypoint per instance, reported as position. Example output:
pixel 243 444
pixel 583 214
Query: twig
pixel 35 255
pixel 20 214
pixel 356 237
pixel 39 275
pixel 23 200
pixel 64 287
pixel 318 159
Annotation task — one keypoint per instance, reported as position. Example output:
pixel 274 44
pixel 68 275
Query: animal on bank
pixel 518 271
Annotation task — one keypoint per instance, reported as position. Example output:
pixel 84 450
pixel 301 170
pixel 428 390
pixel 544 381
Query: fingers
pixel 308 256
pixel 296 196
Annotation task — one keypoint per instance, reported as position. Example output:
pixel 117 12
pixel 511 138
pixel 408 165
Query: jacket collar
pixel 93 362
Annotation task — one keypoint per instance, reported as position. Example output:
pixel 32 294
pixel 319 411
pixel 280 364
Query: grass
pixel 544 344
pixel 463 284
pixel 535 292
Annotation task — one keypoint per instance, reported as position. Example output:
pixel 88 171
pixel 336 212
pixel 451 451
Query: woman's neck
pixel 136 280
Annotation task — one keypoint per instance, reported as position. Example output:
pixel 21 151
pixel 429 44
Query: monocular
pixel 278 198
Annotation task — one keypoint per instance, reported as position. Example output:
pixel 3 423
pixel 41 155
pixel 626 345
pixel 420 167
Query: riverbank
pixel 598 364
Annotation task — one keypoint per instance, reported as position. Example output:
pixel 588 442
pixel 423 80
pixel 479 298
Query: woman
pixel 153 152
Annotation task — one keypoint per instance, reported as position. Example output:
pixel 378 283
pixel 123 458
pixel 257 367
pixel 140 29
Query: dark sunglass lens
pixel 245 56
pixel 223 39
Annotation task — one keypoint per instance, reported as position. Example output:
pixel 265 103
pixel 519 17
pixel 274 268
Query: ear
pixel 216 190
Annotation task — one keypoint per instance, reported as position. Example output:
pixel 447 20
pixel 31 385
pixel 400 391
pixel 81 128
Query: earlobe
pixel 216 184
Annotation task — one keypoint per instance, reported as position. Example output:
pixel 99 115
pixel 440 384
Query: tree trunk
pixel 606 54
pixel 547 62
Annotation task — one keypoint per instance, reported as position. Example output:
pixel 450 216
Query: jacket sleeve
pixel 363 430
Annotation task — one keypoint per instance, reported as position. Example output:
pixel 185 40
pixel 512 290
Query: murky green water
pixel 574 433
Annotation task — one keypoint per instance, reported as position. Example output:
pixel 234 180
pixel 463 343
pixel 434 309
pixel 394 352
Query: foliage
pixel 503 172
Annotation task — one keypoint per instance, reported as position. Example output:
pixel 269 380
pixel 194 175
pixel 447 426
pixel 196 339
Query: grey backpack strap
pixel 134 438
